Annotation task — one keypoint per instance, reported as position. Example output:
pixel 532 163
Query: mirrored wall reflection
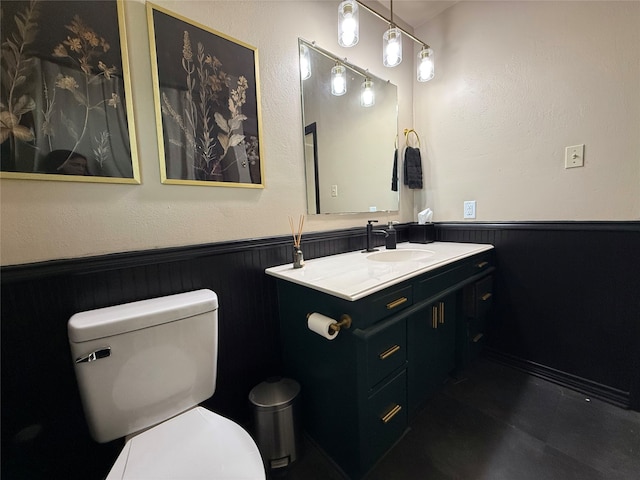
pixel 349 138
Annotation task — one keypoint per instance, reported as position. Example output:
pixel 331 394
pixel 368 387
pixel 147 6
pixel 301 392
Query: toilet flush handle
pixel 95 355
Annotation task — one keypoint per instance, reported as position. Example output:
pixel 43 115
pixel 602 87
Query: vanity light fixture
pixel 391 40
pixel 338 80
pixel 392 47
pixel 305 62
pixel 425 64
pixel 367 93
pixel 348 23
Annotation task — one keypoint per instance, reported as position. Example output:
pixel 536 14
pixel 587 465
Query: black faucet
pixel 370 233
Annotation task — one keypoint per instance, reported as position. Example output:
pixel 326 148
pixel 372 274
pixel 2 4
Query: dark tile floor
pixel 498 423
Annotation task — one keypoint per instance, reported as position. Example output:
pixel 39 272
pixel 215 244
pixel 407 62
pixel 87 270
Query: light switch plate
pixel 574 156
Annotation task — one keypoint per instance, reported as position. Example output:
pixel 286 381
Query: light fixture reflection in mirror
pixel 305 66
pixel 368 94
pixel 349 149
pixel 338 80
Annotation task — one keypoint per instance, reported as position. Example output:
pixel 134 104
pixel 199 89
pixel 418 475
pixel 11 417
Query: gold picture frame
pixel 207 99
pixel 66 112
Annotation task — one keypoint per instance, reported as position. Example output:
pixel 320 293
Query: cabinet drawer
pixel 478 297
pixel 386 349
pixel 433 284
pixel 477 341
pixel 385 417
pixel 388 303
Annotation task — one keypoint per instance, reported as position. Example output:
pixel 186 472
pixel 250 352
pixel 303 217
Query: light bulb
pixel 348 23
pixel 305 62
pixel 426 69
pixel 392 47
pixel 367 94
pixel 338 80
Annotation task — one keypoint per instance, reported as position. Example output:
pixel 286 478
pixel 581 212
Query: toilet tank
pixel 141 363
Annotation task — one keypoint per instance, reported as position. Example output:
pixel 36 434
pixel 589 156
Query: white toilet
pixel 142 368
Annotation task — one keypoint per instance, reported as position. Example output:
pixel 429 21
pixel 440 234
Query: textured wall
pixel 517 82
pixel 50 220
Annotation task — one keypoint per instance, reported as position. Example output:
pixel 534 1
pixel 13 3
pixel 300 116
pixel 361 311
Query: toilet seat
pixel 197 444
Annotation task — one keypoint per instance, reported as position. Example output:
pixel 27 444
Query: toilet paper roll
pixel 319 324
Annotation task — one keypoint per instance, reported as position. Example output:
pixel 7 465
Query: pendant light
pixel 392 44
pixel 392 47
pixel 425 64
pixel 348 23
pixel 391 40
pixel 305 62
pixel 338 80
pixel 367 93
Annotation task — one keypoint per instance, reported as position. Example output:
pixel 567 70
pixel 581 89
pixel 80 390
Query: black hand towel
pixel 412 168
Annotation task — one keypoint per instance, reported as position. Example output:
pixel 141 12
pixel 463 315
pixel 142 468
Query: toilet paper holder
pixel 345 322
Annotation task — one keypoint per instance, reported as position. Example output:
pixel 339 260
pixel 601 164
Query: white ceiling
pixel 414 12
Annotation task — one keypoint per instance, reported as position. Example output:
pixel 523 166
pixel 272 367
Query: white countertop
pixel 353 276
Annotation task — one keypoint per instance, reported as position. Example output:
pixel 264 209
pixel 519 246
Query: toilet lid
pixel 197 444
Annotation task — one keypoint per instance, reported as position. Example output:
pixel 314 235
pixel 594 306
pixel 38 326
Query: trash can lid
pixel 274 392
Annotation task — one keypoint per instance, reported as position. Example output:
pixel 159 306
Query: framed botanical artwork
pixel 65 102
pixel 207 99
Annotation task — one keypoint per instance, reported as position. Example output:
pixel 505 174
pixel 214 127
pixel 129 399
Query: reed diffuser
pixel 298 258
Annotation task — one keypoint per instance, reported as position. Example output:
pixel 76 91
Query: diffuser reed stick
pixel 298 237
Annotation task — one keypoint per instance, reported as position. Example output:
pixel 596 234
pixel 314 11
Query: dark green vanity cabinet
pixel 353 388
pixel 432 349
pixel 360 390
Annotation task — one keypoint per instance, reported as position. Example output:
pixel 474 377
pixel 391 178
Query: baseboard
pixel 592 389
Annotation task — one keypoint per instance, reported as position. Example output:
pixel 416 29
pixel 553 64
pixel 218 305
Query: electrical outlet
pixel 470 209
pixel 574 156
pixel 334 190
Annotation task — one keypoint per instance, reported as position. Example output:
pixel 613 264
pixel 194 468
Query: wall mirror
pixel 349 148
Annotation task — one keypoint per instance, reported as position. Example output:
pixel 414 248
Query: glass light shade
pixel 392 47
pixel 338 80
pixel 367 94
pixel 305 62
pixel 348 23
pixel 426 69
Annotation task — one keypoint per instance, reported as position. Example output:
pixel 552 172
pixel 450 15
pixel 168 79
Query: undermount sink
pixel 400 255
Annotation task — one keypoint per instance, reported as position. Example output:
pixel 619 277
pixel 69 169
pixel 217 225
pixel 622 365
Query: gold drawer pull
pixel 482 264
pixel 390 414
pixel 441 312
pixel 387 353
pixel 486 297
pixel 434 316
pixel 397 302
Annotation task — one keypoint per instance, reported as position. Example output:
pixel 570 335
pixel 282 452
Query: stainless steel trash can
pixel 277 426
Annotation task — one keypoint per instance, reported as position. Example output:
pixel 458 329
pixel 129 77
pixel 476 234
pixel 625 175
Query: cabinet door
pixel 431 350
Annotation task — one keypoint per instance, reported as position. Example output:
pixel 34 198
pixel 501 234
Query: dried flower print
pixel 86 46
pixel 207 113
pixel 17 69
pixel 61 91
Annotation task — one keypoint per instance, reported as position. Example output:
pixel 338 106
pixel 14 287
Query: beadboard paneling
pixel 566 301
pixel 566 307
